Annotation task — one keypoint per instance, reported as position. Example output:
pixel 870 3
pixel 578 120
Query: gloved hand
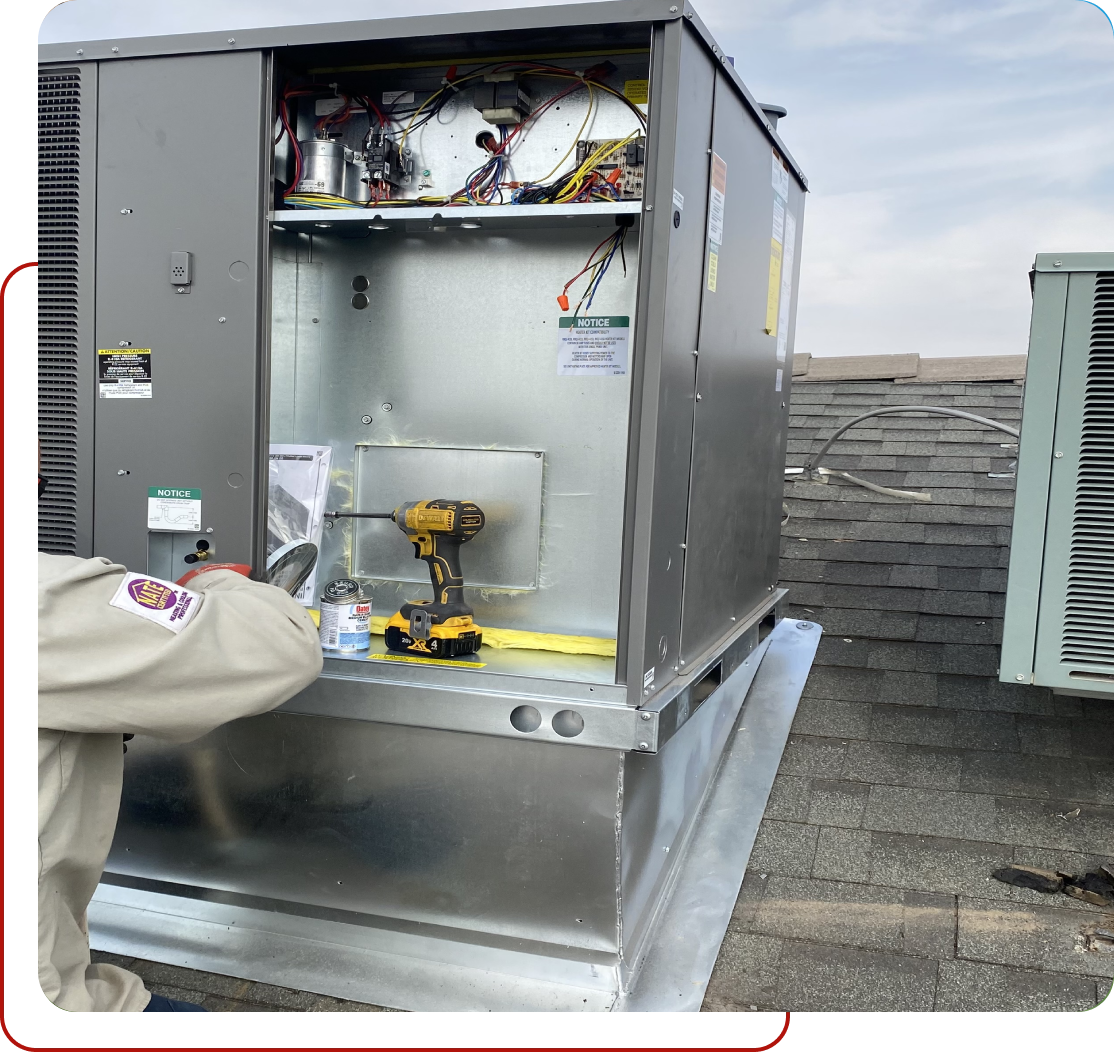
pixel 189 575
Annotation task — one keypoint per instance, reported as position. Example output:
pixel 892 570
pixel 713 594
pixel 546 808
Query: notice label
pixel 323 106
pixel 593 345
pixel 637 91
pixel 399 98
pixel 678 200
pixel 124 373
pixel 170 508
pixel 777 380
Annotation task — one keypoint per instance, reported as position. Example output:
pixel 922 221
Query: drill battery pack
pixel 457 637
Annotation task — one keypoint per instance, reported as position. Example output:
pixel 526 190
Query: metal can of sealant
pixel 345 617
pixel 323 167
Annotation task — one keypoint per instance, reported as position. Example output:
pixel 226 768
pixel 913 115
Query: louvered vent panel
pixel 1089 614
pixel 59 166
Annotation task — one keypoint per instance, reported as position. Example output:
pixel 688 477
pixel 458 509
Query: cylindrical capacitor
pixel 356 189
pixel 344 617
pixel 323 165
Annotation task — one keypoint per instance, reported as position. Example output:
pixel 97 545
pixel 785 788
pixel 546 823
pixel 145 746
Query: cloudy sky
pixel 946 142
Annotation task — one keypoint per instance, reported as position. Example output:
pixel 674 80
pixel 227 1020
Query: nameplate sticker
pixel 166 604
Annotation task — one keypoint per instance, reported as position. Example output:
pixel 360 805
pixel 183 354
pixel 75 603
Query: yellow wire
pixel 576 184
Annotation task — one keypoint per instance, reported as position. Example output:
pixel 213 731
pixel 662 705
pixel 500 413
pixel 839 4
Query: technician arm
pixel 108 663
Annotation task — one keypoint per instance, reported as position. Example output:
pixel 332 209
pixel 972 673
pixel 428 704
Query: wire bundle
pixel 595 268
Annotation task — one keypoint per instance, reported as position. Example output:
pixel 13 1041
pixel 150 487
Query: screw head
pixel 1058 263
pixel 328 524
pixel 1020 678
pixel 649 208
pixel 1058 456
pixel 645 715
pixel 221 321
pixel 387 407
pixel 115 49
pixel 81 51
pixel 646 693
pixel 125 343
pixel 365 419
pixel 121 472
pixel 673 10
pixel 804 626
pixel 644 746
pixel 232 40
pixel 208 529
pixel 680 663
pixel 125 211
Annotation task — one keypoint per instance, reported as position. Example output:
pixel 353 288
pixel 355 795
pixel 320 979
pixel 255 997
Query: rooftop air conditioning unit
pixel 1059 626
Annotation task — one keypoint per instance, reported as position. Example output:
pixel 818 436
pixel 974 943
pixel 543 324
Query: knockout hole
pixel 568 723
pixel 526 719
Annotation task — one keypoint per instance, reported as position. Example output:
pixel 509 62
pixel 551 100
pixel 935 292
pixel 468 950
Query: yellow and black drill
pixel 441 627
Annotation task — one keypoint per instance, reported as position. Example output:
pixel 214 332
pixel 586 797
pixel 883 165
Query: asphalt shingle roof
pixel 912 772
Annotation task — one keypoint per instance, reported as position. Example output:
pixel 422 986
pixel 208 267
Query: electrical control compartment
pixel 454 266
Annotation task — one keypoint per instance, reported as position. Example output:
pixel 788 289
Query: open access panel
pixel 541 260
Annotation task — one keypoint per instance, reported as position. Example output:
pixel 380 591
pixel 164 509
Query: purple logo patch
pixel 152 594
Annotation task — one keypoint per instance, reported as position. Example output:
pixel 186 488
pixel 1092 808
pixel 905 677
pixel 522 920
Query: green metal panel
pixel 1048 668
pixel 1046 338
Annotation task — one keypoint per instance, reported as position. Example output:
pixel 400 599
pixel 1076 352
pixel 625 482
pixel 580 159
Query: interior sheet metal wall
pixel 157 192
pixel 461 340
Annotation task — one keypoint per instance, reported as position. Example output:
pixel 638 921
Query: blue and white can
pixel 345 617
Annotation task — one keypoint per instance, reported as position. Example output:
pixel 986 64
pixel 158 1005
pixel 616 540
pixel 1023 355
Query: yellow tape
pixel 515 639
pixel 408 659
pixel 506 639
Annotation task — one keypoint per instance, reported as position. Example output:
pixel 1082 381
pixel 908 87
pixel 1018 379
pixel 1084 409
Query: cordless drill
pixel 443 627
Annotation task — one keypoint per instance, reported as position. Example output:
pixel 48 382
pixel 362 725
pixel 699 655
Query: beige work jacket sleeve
pixel 247 649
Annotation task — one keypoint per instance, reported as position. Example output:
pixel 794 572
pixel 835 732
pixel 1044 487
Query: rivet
pixel 645 715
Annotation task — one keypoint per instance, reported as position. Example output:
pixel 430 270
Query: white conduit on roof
pixel 812 465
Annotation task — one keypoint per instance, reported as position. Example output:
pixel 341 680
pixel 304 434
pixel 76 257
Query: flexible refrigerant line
pixel 812 465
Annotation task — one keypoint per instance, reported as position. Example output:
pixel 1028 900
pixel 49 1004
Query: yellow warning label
pixel 410 660
pixel 637 91
pixel 713 268
pixel 774 294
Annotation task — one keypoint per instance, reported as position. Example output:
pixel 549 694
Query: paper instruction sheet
pixel 297 489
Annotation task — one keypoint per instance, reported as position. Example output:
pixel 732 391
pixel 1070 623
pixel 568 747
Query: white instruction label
pixel 170 508
pixel 780 178
pixel 166 604
pixel 393 98
pixel 323 106
pixel 648 679
pixel 778 232
pixel 678 200
pixel 777 380
pixel 786 285
pixel 593 345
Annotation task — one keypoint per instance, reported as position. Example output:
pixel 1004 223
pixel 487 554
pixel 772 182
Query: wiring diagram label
pixel 124 373
pixel 787 252
pixel 593 345
pixel 781 268
pixel 171 508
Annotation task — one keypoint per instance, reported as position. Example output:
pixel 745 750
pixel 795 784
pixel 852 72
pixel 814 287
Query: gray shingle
pixel 821 978
pixel 969 986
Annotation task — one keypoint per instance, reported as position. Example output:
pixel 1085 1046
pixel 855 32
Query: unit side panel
pixel 1073 626
pixel 742 387
pixel 67 245
pixel 671 318
pixel 181 168
pixel 1034 466
pixel 465 831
